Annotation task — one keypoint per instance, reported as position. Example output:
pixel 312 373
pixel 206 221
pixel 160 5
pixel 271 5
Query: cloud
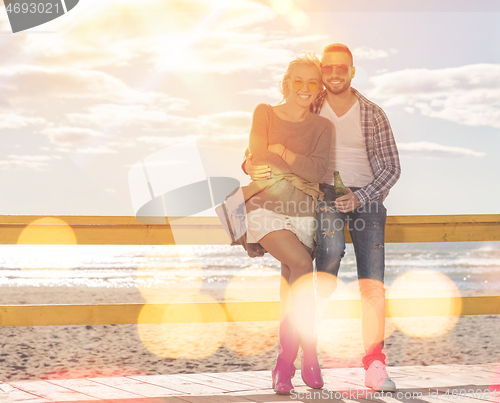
pixel 15 121
pixel 228 121
pixel 271 92
pixel 366 53
pixel 70 136
pixel 433 150
pixel 468 95
pixel 223 52
pixel 126 126
pixel 185 36
pixel 121 116
pixel 22 83
pixel 30 162
pixel 166 141
pixel 149 117
pixel 285 40
pixel 94 150
pixel 118 32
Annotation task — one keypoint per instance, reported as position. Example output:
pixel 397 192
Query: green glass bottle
pixel 339 186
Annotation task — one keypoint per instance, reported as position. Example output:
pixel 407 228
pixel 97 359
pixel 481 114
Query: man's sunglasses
pixel 339 68
pixel 298 84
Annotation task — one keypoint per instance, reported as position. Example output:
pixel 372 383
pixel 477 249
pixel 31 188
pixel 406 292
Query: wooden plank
pixel 217 399
pixel 96 230
pixel 68 315
pixel 97 390
pixel 197 388
pixel 10 394
pixel 246 378
pixel 120 314
pixel 136 387
pixel 169 399
pixel 216 382
pixel 50 391
pixel 178 384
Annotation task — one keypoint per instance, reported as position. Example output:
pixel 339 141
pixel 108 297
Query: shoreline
pixel 85 295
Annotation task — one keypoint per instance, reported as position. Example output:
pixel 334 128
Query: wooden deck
pixel 439 383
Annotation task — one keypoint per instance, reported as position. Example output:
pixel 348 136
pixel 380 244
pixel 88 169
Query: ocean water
pixel 470 265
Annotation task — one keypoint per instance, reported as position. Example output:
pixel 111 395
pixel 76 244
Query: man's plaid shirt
pixel 380 147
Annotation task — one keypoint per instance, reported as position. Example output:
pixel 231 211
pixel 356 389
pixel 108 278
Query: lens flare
pixel 53 246
pixel 343 338
pixel 425 286
pixel 282 6
pixel 252 284
pixel 166 276
pixel 298 19
pixel 47 231
pixel 196 339
pixel 251 338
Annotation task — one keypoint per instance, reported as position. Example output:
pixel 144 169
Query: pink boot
pixel 310 369
pixel 288 347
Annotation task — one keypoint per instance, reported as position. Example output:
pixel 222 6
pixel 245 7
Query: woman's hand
pixel 276 149
pixel 256 172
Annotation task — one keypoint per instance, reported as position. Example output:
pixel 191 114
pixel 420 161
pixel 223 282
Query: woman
pixel 295 144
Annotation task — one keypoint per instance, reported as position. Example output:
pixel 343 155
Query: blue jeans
pixel 366 225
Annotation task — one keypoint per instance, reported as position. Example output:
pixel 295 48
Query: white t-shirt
pixel 348 154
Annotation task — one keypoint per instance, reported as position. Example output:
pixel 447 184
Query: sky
pixel 87 97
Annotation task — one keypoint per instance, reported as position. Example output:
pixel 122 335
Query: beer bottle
pixel 339 186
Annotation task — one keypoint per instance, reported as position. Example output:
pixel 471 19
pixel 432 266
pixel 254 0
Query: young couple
pixel 294 149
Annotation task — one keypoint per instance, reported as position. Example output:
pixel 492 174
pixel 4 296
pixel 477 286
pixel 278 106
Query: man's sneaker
pixel 376 378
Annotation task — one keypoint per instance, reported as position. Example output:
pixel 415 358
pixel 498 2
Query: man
pixel 365 154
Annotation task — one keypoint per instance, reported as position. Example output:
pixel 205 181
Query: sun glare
pixel 252 284
pixel 282 6
pixel 197 339
pixel 426 286
pixel 53 246
pixel 342 338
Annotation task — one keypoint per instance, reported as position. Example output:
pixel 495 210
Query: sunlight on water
pixel 42 235
pixel 165 276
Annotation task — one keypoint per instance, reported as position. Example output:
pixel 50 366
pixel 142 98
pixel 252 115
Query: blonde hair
pixel 308 58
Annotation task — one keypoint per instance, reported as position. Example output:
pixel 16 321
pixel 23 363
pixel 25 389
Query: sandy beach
pixel 112 350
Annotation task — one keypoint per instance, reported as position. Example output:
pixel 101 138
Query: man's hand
pixel 256 172
pixel 347 202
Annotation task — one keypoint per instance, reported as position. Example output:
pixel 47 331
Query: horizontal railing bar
pixel 120 314
pixel 131 220
pixel 108 230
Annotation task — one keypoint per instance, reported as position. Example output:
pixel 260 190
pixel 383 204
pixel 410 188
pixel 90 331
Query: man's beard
pixel 337 90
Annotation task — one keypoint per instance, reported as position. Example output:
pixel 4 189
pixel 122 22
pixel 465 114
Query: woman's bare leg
pixel 285 289
pixel 295 259
pixel 287 248
pixel 292 254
